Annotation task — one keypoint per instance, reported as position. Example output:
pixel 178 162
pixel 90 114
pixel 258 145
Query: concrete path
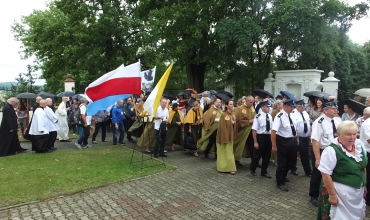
pixel 194 191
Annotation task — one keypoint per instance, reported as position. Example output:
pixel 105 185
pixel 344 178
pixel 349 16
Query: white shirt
pixel 300 123
pixel 52 119
pixel 160 113
pixel 82 109
pixel 282 124
pixel 365 134
pixel 39 123
pixel 322 130
pixel 328 159
pixel 259 123
pixel 88 120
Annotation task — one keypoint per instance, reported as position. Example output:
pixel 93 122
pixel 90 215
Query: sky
pixel 11 63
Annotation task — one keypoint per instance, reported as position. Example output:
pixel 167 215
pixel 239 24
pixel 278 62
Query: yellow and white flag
pixel 152 102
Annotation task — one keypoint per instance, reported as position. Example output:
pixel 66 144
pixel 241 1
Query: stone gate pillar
pixel 330 85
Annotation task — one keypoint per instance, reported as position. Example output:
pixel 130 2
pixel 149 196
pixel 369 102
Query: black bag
pixel 190 142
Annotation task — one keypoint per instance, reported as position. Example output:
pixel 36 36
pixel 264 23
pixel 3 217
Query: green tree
pixel 25 83
pixel 84 38
pixel 298 30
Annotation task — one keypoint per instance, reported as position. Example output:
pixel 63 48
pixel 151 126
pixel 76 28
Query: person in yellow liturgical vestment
pixel 226 134
pixel 174 127
pixel 193 122
pixel 211 120
pixel 244 120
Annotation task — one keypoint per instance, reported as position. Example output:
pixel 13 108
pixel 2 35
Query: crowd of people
pixel 267 129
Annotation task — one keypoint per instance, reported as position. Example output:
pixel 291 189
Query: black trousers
pixel 212 141
pixel 368 180
pixel 159 144
pixel 315 178
pixel 264 152
pixel 304 143
pixel 40 142
pixel 86 135
pixel 99 125
pixel 250 143
pixel 286 154
pixel 128 124
pixel 51 140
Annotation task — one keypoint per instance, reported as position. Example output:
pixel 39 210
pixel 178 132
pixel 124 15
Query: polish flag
pixel 116 85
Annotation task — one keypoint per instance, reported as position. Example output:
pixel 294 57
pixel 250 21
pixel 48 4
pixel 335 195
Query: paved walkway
pixel 194 191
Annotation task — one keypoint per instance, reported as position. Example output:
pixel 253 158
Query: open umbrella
pixel 263 93
pixel 78 96
pixel 46 95
pixel 355 106
pixel 365 92
pixel 317 94
pixel 67 94
pixel 170 97
pixel 226 93
pixel 288 94
pixel 26 95
pixel 222 96
pixel 181 93
pixel 189 91
pixel 212 91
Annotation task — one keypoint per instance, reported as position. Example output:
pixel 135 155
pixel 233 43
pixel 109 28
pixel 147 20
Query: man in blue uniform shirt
pixel 261 131
pixel 324 130
pixel 303 130
pixel 284 141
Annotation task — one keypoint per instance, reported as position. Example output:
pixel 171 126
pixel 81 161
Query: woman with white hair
pixel 343 169
pixel 366 115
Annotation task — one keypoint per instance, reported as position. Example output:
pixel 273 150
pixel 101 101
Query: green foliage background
pixel 213 43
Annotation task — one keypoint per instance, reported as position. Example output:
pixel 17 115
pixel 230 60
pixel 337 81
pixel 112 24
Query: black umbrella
pixel 46 95
pixel 222 96
pixel 188 91
pixel 226 93
pixel 317 94
pixel 77 96
pixel 212 92
pixel 288 94
pixel 26 95
pixel 67 94
pixel 169 96
pixel 263 93
pixel 181 93
pixel 355 106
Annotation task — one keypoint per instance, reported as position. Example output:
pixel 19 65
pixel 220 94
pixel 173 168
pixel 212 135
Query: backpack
pixel 77 116
pixel 190 142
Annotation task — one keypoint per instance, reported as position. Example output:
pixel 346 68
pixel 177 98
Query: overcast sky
pixel 11 64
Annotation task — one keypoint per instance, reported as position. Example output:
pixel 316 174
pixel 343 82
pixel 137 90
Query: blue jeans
pixel 121 130
pixel 80 131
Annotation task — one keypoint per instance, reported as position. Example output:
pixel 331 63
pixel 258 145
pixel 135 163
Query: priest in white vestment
pixel 39 131
pixel 52 124
pixel 62 115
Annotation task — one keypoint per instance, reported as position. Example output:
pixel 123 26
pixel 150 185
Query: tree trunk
pixel 195 74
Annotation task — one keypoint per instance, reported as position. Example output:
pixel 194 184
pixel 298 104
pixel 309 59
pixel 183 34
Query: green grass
pixel 30 177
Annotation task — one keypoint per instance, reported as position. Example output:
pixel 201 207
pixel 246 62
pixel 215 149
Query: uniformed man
pixel 324 130
pixel 284 140
pixel 303 131
pixel 261 131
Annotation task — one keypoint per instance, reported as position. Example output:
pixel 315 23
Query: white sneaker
pixel 78 146
pixel 88 146
pixel 165 151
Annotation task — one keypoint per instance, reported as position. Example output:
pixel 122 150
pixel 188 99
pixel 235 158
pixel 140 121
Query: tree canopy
pixel 213 42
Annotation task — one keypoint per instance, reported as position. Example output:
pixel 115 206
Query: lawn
pixel 30 177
